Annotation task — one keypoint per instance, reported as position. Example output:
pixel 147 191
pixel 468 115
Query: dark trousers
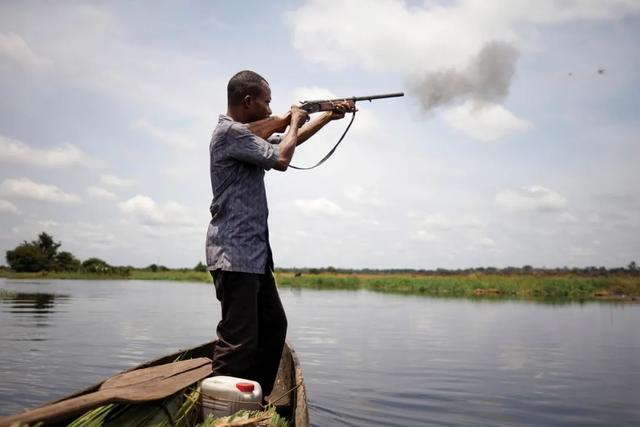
pixel 253 328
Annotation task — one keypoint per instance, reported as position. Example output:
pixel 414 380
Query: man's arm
pixel 310 129
pixel 290 139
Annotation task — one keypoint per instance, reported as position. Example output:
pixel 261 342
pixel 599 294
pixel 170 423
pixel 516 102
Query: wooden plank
pixel 164 381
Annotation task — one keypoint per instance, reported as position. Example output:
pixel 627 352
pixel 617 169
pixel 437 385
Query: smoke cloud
pixel 485 80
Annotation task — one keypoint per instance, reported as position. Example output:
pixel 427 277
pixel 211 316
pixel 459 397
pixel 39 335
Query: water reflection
pixel 40 305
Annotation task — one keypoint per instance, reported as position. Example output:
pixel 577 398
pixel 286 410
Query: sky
pixel 517 142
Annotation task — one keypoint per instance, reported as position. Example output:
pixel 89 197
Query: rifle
pixel 329 104
pixel 275 124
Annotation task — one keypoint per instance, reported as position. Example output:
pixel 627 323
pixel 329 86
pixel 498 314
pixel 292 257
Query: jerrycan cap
pixel 245 387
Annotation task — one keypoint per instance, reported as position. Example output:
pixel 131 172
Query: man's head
pixel 248 97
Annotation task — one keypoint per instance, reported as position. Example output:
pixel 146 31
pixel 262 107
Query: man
pixel 252 331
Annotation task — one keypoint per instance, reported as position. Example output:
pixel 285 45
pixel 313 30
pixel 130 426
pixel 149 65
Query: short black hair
pixel 245 82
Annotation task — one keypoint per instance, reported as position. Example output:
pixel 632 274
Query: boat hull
pixel 288 395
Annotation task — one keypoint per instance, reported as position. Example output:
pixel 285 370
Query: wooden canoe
pixel 288 395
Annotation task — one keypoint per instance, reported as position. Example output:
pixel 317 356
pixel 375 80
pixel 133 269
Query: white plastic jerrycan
pixel 223 396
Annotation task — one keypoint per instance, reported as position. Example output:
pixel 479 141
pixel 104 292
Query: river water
pixel 368 358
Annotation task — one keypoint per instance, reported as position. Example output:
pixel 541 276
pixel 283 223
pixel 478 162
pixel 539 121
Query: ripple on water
pixel 368 359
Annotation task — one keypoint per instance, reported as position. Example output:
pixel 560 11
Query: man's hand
pixel 298 116
pixel 341 108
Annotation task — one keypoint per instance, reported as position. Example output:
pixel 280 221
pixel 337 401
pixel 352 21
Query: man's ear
pixel 247 100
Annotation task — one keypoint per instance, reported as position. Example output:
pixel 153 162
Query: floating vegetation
pixel 267 418
pixel 4 294
pixel 179 410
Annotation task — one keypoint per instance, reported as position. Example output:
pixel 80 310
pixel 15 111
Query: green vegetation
pixel 4 294
pixel 41 254
pixel 179 410
pixel 41 259
pixel 475 285
pixel 117 273
pixel 268 418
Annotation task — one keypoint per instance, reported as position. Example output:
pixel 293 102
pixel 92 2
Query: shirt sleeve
pixel 248 147
pixel 274 139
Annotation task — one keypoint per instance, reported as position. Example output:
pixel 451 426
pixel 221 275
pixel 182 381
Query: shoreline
pixel 477 285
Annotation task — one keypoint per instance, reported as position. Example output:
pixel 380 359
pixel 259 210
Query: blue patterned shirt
pixel 238 236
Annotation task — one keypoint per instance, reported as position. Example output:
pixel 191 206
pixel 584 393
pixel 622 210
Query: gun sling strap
pixel 330 153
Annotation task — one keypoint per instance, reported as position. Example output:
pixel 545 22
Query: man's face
pixel 259 107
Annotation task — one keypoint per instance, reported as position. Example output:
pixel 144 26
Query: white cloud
pixel 14 151
pixel 142 207
pixel 533 198
pixel 594 218
pixel 170 139
pixel 578 251
pixel 319 207
pixel 554 11
pixel 26 188
pixel 432 39
pixel 466 231
pixel 48 224
pixel 363 196
pixel 443 222
pixel 482 244
pixel 311 93
pixel 147 211
pixel 114 181
pixel 13 47
pixel 568 218
pixel 100 193
pixel 93 236
pixel 356 194
pixel 437 221
pixel 387 34
pixel 69 36
pixel 390 34
pixel 8 207
pixel 425 236
pixel 485 123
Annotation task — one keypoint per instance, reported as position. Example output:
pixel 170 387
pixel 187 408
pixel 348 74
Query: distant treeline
pixel 43 255
pixel 630 270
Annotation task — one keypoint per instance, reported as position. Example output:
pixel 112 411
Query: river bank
pixel 477 285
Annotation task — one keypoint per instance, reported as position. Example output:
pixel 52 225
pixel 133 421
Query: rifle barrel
pixel 384 95
pixel 357 98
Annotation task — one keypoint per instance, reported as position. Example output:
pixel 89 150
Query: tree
pixel 37 255
pixel 95 265
pixel 47 245
pixel 65 261
pixel 155 268
pixel 27 257
pixel 200 267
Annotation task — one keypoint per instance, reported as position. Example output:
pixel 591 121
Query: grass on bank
pixel 477 285
pixel 184 275
pixel 567 286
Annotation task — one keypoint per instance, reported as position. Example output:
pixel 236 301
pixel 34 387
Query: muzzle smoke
pixel 486 79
